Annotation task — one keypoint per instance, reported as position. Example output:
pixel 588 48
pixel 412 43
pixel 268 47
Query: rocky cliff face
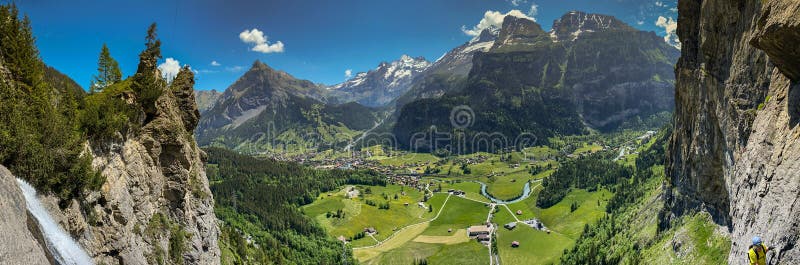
pixel 206 99
pixel 155 206
pixel 18 243
pixel 735 149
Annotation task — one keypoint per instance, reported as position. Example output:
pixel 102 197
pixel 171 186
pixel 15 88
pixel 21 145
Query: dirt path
pixel 406 227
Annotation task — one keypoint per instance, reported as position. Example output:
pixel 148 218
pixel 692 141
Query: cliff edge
pixel 735 151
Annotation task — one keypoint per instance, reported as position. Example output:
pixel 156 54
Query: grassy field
pixel 472 189
pixel 559 218
pixel 393 243
pixel 587 148
pixel 459 213
pixel 458 236
pixel 506 187
pixel 420 159
pixel 466 253
pixel 536 247
pixel 358 215
pixel 540 152
pixel 431 241
pixel 502 216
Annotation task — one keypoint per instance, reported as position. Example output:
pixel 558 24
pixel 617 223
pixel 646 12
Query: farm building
pixel 476 230
pixel 514 244
pixel 370 230
pixel 483 237
pixel 511 225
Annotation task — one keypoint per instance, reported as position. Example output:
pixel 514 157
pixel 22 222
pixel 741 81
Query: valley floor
pixel 425 216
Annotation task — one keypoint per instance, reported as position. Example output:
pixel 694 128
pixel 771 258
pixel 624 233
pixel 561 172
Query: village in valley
pixel 482 205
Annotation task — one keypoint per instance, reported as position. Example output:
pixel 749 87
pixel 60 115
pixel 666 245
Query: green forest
pixel 583 173
pixel 49 124
pixel 260 199
pixel 40 138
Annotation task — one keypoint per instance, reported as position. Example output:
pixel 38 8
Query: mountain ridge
pixel 526 73
pixel 269 110
pixel 382 85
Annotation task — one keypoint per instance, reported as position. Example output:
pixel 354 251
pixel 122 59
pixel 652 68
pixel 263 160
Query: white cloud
pixel 533 11
pixel 659 4
pixel 169 68
pixel 670 27
pixel 206 71
pixel 215 63
pixel 517 2
pixel 269 48
pixel 348 73
pixel 235 68
pixel 259 41
pixel 640 22
pixel 493 18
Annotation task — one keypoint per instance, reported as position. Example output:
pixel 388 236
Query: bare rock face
pixel 18 244
pixel 735 151
pixel 156 205
pixel 183 90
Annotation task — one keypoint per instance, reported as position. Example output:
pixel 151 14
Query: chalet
pixel 514 244
pixel 370 230
pixel 519 212
pixel 476 230
pixel 511 225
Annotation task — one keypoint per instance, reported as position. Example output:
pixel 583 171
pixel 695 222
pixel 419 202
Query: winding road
pixel 361 137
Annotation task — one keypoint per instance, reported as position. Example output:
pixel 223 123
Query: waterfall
pixel 64 249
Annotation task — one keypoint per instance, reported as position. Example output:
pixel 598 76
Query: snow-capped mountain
pixel 459 60
pixel 449 70
pixel 383 84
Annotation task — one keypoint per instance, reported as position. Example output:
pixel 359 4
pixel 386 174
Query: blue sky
pixel 319 40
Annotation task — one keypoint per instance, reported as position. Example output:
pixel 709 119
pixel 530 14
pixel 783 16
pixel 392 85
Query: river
pixel 526 192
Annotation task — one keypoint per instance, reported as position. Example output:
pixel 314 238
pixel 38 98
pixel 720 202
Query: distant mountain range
pixel 590 72
pixel 268 109
pixel 382 85
pixel 206 99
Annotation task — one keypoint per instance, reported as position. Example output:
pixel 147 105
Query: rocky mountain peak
pixel 258 64
pixel 571 25
pixel 519 33
pixel 487 34
pixel 516 30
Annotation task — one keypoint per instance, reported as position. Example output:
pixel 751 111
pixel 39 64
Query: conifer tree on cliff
pixel 108 71
pixel 147 84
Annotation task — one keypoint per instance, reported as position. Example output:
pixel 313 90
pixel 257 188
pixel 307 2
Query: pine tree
pixel 37 137
pixel 108 71
pixel 146 83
